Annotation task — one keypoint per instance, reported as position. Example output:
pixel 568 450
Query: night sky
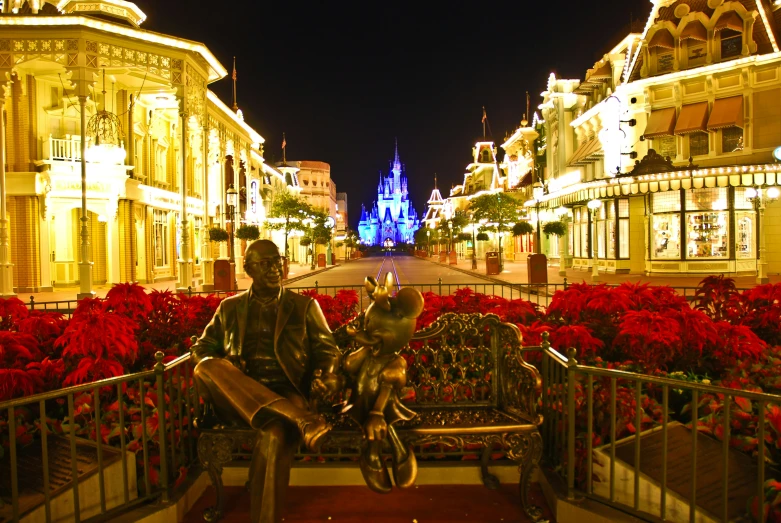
pixel 344 81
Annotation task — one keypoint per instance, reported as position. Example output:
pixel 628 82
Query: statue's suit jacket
pixel 303 342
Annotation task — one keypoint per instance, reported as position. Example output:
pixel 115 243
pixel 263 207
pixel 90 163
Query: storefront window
pixel 197 240
pixel 707 234
pixel 623 228
pixel 667 236
pixel 744 232
pixel 698 144
pixel 161 238
pixel 178 225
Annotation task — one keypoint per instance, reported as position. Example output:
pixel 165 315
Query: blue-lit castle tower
pixel 392 218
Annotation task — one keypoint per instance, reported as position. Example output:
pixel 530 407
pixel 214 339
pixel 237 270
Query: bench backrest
pixel 471 360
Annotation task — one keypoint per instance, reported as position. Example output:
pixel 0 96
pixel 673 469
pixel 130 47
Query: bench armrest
pixel 520 384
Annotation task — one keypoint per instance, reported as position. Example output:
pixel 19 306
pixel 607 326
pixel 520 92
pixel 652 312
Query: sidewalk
pixel 515 272
pixel 297 272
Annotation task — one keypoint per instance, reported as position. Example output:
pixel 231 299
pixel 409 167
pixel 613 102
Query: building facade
pixel 392 218
pixel 91 96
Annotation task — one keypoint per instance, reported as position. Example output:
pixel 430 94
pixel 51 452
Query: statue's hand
pixel 376 428
pixel 326 384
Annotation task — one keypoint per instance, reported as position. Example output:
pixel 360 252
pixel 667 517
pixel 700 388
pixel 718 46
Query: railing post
pixel 440 286
pixel 189 291
pixel 32 303
pixel 565 284
pixel 161 410
pixel 572 365
pixel 317 287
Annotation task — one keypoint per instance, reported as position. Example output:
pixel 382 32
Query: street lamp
pixel 450 231
pixel 428 242
pixel 537 191
pixel 232 199
pixel 474 247
pixel 760 197
pixel 594 206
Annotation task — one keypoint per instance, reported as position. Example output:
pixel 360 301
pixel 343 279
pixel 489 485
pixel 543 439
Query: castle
pixel 392 218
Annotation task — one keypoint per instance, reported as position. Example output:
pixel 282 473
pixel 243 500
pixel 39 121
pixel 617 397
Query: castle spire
pixel 396 161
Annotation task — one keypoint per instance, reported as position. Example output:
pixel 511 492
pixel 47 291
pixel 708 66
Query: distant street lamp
pixel 594 206
pixel 232 199
pixel 474 247
pixel 450 231
pixel 428 242
pixel 760 197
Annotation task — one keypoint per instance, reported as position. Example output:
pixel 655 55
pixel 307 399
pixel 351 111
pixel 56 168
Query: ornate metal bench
pixel 473 393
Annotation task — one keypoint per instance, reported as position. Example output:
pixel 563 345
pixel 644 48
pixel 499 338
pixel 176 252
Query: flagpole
pixel 483 121
pixel 235 105
pixel 284 146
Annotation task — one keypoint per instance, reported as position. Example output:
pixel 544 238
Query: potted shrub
pixel 218 234
pixel 248 233
pixel 482 236
pixel 522 228
pixel 554 228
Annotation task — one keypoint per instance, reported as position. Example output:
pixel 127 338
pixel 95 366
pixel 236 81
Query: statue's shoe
pixel 405 472
pixel 313 429
pixel 376 479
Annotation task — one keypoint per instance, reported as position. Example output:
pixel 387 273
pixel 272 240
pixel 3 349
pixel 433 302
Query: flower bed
pixel 723 336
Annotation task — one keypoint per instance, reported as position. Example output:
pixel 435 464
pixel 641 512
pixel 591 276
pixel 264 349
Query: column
pixel 223 208
pixel 185 260
pixel 85 265
pixel 207 263
pixel 6 267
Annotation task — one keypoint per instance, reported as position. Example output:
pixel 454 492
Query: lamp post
pixel 760 197
pixel 537 191
pixel 231 198
pixel 474 247
pixel 501 259
pixel 561 214
pixel 428 242
pixel 330 223
pixel 450 232
pixel 594 206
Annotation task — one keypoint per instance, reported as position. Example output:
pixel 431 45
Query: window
pixel 160 164
pixel 664 62
pixel 197 239
pixel 666 225
pixel 161 238
pixel 623 228
pixel 698 144
pixel 731 43
pixel 610 229
pixel 707 231
pixel 666 146
pixel 731 139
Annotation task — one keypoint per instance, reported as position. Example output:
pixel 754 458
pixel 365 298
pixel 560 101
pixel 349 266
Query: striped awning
pixel 694 30
pixel 660 123
pixel 729 20
pixel 588 152
pixel 662 38
pixel 692 119
pixel 727 112
pixel 661 184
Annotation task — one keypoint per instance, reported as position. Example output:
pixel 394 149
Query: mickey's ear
pixel 390 281
pixel 409 302
pixel 370 284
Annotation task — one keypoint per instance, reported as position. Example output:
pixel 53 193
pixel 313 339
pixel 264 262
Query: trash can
pixel 491 263
pixel 285 267
pixel 453 258
pixel 224 275
pixel 321 260
pixel 442 256
pixel 537 269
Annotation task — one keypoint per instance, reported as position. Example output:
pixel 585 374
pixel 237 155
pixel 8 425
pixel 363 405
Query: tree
pixel 289 210
pixel 351 241
pixel 496 211
pixel 448 230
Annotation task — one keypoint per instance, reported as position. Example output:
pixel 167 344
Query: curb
pixel 309 275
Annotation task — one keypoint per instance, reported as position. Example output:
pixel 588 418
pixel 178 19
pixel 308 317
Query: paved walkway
pixel 516 272
pixel 297 272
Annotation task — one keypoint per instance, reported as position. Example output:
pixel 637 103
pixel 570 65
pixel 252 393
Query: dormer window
pixel 661 48
pixel 693 39
pixel 729 27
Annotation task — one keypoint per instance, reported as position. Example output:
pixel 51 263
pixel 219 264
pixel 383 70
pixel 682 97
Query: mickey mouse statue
pixel 379 374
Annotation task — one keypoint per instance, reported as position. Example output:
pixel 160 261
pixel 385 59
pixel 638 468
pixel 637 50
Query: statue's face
pixel 263 264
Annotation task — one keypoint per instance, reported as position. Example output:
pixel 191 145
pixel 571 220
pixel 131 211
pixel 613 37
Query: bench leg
pixel 215 513
pixel 526 449
pixel 490 481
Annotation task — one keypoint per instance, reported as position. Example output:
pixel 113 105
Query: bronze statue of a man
pixel 265 352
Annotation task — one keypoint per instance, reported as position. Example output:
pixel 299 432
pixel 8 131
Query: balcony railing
pixel 64 149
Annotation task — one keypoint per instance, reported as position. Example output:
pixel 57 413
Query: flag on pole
pixel 284 142
pixel 234 69
pixel 484 116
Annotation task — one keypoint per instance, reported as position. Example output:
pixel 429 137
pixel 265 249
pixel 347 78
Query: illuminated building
pixel 174 151
pixel 392 218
